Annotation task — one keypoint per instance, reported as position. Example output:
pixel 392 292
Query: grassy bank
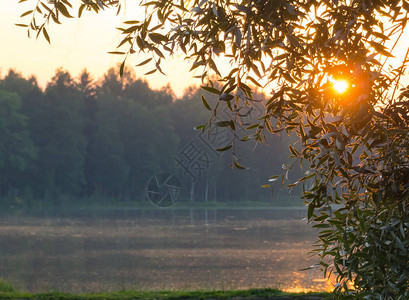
pixel 200 294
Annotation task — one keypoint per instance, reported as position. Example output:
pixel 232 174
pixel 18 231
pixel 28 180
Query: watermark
pixel 193 160
pixel 163 189
pixel 197 156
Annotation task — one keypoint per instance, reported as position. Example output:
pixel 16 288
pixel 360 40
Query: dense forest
pixel 82 139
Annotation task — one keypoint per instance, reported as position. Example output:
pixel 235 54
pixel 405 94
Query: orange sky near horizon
pixel 75 45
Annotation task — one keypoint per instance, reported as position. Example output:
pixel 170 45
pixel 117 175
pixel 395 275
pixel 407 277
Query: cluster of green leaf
pixel 356 143
pixel 103 140
pixel 44 12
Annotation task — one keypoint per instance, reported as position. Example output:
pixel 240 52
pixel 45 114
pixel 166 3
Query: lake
pixel 114 249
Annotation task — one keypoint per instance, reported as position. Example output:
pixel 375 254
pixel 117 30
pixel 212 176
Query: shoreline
pixel 253 294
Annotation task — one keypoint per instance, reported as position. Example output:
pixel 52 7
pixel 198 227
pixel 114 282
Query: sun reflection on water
pixel 315 285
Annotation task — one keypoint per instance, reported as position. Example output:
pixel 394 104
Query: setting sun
pixel 340 86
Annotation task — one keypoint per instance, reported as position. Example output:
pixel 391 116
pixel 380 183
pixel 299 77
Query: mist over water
pixel 115 141
pixel 114 249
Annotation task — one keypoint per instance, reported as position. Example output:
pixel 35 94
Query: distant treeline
pixel 86 139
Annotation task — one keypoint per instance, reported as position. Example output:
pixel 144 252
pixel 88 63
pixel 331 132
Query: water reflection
pixel 100 250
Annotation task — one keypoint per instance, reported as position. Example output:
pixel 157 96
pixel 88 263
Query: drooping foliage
pixel 356 143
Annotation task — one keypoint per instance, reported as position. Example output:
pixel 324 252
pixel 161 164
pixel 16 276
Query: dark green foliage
pixel 104 140
pixel 62 142
pixel 108 169
pixel 17 151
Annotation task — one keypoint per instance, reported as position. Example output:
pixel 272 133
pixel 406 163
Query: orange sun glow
pixel 340 86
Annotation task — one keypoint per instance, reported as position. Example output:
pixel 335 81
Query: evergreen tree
pixel 62 143
pixel 16 148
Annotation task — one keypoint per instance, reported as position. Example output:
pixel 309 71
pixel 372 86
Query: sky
pixel 84 43
pixel 75 45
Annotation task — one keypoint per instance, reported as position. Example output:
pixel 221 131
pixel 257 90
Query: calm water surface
pixel 105 250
